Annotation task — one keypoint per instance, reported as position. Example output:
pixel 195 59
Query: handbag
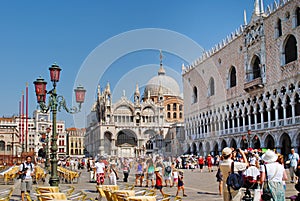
pixel 267 194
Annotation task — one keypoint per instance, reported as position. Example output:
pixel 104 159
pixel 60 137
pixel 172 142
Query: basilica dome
pixel 166 84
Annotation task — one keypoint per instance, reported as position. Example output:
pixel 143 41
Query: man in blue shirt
pixel 294 158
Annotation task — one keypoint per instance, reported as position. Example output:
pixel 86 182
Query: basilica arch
pixel 107 142
pixel 126 136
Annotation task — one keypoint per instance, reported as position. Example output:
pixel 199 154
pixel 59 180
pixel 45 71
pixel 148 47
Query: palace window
pixel 195 95
pixel 298 16
pixel 174 115
pixel 168 107
pixel 232 77
pixel 278 28
pixel 290 49
pixel 211 87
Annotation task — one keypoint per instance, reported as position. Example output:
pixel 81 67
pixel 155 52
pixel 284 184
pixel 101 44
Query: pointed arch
pixel 279 27
pixel 269 142
pixel 211 87
pixel 201 152
pixel 255 67
pixel 194 149
pixel 285 142
pixel 298 16
pixel 256 142
pixel 216 149
pixel 290 49
pixel 126 136
pixel 233 143
pixel 223 144
pixel 195 95
pixel 207 148
pixel 232 77
pixel 107 142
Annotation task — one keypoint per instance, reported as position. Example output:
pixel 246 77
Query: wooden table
pixel 142 198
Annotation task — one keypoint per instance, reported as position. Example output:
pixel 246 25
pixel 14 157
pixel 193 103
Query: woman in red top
pixel 201 163
pixel 159 180
pixel 209 162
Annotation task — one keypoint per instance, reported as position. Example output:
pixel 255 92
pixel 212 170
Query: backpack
pixel 234 180
pixel 22 176
pixel 168 169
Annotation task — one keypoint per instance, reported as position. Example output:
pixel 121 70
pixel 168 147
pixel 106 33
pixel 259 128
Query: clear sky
pixel 35 34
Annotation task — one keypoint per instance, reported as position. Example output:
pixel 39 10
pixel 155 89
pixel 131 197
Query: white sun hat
pixel 269 156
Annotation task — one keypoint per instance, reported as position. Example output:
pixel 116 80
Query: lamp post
pixel 56 102
pixel 47 149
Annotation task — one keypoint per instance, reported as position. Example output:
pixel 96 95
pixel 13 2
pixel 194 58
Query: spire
pixel 256 8
pixel 137 94
pixel 262 11
pixel 161 70
pixel 183 69
pixel 98 89
pixel 245 17
pixel 137 91
pixel 107 88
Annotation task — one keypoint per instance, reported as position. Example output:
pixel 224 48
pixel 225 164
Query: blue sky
pixel 34 34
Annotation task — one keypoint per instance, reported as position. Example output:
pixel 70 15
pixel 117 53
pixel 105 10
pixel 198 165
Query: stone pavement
pixel 199 186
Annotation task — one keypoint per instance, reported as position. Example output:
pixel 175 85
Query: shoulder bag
pixel 267 194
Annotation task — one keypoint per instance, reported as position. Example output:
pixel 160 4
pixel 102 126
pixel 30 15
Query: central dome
pixel 168 85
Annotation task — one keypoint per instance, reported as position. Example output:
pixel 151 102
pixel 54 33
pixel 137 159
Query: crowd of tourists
pixel 255 167
pixel 263 172
pixel 260 172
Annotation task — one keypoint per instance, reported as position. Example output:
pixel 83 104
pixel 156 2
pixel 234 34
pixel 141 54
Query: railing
pixel 289 121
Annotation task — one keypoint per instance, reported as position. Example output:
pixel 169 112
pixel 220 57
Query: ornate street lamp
pixel 47 149
pixel 56 102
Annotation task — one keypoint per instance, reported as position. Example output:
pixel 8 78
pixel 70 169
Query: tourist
pixel 201 163
pixel 26 172
pixel 100 171
pixel 175 177
pixel 167 172
pixel 180 185
pixel 112 174
pixel 139 175
pixel 225 167
pixel 150 172
pixel 209 161
pixel 275 175
pixel 126 170
pixel 293 159
pixel 158 181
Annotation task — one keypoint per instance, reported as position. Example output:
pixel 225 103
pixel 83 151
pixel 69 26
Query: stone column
pixel 262 117
pixel 293 111
pixel 244 122
pixel 284 113
pixel 276 115
pixel 255 118
pixel 269 117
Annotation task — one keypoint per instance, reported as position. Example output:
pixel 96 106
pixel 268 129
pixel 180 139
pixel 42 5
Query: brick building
pixel 245 90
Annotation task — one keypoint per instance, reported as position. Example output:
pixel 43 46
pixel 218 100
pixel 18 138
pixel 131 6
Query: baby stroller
pixel 249 183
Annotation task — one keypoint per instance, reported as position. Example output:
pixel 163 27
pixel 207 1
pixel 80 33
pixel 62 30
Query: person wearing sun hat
pixel 225 167
pixel 275 173
pixel 158 180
